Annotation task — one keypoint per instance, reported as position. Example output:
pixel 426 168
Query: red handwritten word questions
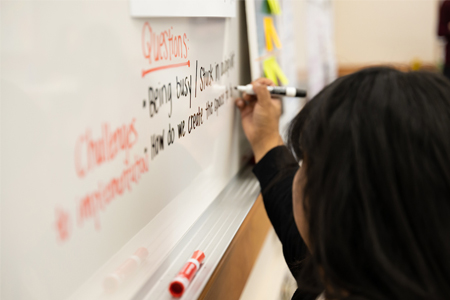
pixel 163 45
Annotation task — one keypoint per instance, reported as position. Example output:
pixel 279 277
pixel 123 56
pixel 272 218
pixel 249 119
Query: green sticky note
pixel 269 71
pixel 273 71
pixel 274 7
pixel 279 73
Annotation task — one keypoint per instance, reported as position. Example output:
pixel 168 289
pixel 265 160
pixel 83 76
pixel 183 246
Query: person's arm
pixel 275 167
pixel 260 117
pixel 275 172
pixel 444 20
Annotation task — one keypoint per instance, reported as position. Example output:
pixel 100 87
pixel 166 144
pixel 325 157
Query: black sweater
pixel 275 172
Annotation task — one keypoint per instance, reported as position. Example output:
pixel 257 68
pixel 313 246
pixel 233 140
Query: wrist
pixel 263 146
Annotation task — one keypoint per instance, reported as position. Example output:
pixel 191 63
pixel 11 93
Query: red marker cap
pixel 184 277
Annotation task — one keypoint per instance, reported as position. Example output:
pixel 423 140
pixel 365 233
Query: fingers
pixel 245 108
pixel 265 81
pixel 249 98
pixel 240 103
pixel 261 92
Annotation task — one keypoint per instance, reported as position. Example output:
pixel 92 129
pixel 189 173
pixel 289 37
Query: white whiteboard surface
pixel 77 198
pixel 183 8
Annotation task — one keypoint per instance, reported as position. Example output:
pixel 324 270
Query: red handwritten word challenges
pixel 90 153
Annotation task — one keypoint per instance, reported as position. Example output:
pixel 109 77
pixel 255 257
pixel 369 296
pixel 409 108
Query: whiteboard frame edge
pixel 252 35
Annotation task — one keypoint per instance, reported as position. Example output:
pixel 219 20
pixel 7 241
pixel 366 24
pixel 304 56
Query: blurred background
pixel 401 33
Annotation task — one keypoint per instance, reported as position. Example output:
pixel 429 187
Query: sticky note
pixel 271 34
pixel 274 7
pixel 279 73
pixel 269 46
pixel 273 71
pixel 268 71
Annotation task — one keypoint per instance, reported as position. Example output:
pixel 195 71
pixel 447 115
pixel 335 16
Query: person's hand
pixel 260 116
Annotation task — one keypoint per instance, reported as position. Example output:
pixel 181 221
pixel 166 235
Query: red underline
pixel 145 72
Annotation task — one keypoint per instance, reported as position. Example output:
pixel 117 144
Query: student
pixel 367 215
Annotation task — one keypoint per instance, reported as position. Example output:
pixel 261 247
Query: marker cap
pixel 184 277
pixel 198 256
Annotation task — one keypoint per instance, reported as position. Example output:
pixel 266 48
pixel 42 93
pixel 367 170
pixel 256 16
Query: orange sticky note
pixel 267 32
pixel 271 34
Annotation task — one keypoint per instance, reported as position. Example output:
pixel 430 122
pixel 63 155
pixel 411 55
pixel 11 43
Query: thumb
pixel 239 103
pixel 243 107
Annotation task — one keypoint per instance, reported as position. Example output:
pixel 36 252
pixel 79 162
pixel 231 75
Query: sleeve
pixel 275 172
pixel 444 19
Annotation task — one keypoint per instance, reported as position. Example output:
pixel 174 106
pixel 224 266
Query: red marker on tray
pixel 184 277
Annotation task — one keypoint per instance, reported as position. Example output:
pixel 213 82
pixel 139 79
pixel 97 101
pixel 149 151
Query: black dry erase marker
pixel 274 90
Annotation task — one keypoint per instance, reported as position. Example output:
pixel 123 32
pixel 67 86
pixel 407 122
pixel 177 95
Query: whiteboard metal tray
pixel 211 233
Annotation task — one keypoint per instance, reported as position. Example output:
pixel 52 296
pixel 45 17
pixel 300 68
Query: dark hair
pixel 377 150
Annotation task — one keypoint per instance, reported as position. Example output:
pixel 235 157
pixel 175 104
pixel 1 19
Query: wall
pixel 300 38
pixel 380 31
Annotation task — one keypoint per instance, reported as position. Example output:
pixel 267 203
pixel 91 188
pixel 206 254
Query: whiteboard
pixel 97 159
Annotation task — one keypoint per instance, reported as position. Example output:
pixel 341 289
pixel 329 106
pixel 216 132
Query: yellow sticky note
pixel 274 6
pixel 271 34
pixel 274 35
pixel 267 33
pixel 273 71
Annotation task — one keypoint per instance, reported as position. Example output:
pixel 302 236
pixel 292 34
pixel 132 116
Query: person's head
pixel 372 199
